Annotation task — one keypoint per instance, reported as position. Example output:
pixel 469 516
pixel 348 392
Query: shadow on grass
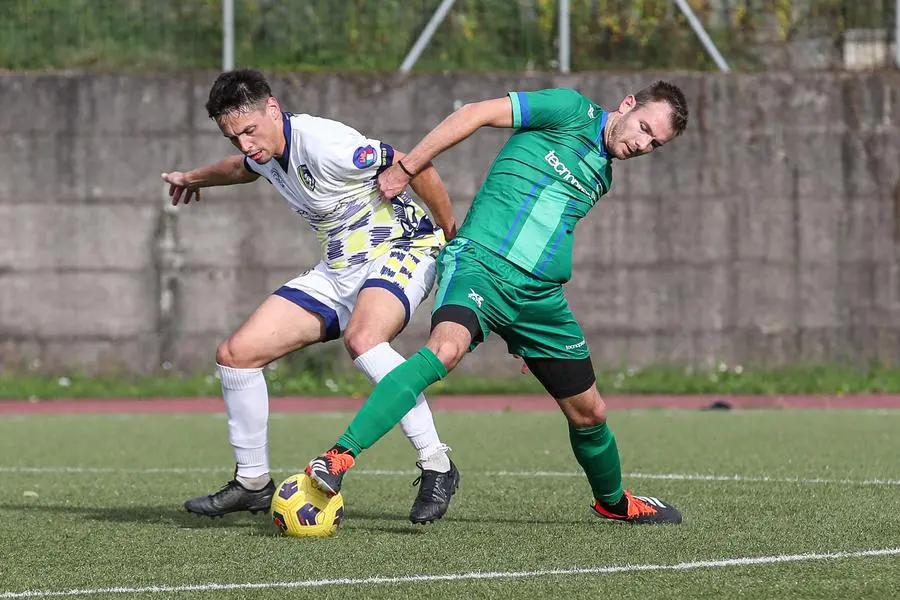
pixel 407 529
pixel 170 516
pixel 450 518
pixel 260 524
pixel 175 516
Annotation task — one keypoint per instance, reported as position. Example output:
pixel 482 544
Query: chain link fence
pixel 519 35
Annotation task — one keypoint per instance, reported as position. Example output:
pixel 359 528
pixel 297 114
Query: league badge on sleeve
pixel 306 177
pixel 364 157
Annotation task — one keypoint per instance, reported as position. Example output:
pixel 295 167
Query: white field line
pixel 474 575
pixel 389 472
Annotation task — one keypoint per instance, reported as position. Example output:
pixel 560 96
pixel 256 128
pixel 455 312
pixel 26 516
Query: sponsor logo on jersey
pixel 578 345
pixel 306 177
pixel 566 174
pixel 364 157
pixel 590 112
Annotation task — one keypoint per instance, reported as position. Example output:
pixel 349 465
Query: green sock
pixel 392 398
pixel 596 452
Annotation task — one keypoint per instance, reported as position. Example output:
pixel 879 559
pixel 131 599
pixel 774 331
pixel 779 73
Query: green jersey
pixel 548 175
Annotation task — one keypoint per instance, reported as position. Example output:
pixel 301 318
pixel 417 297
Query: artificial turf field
pixel 777 504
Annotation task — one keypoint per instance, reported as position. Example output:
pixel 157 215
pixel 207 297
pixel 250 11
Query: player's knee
pixel 448 352
pixel 596 416
pixel 586 419
pixel 589 412
pixel 231 353
pixel 223 353
pixel 360 340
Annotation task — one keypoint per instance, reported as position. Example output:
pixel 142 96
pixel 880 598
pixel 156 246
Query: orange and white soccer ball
pixel 300 509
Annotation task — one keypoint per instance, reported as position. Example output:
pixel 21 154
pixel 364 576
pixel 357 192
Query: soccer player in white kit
pixel 377 267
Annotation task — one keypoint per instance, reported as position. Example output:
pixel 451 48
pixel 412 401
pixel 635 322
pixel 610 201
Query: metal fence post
pixel 227 35
pixel 897 33
pixel 565 43
pixel 697 26
pixel 416 51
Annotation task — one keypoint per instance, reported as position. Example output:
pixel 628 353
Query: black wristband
pixel 402 168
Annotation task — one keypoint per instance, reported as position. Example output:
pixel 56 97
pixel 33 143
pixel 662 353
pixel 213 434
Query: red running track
pixel 443 403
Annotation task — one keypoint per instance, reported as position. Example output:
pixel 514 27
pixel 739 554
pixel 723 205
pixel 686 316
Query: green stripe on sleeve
pixel 517 110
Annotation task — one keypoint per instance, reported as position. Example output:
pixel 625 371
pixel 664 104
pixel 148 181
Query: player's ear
pixel 627 103
pixel 272 107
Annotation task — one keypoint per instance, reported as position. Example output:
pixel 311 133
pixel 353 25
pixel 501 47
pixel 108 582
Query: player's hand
pixel 392 182
pixel 524 368
pixel 179 190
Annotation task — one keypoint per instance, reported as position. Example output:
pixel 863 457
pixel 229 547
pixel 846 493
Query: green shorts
pixel 531 315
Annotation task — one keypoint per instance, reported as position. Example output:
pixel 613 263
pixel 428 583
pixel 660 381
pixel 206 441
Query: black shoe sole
pixel 632 522
pixel 252 511
pixel 222 514
pixel 322 486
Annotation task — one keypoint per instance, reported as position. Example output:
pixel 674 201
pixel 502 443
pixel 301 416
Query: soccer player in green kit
pixel 504 271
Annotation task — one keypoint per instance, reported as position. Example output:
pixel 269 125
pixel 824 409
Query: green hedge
pixel 287 380
pixel 354 35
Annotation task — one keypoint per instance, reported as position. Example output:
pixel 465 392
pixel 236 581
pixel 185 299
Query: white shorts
pixel 331 293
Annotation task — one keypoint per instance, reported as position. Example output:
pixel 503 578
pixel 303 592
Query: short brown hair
pixel 238 90
pixel 663 91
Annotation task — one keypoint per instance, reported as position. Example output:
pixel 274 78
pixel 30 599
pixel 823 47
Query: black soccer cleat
pixel 435 491
pixel 639 510
pixel 327 470
pixel 233 497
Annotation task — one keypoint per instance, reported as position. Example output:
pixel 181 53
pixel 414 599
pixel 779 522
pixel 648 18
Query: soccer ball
pixel 300 509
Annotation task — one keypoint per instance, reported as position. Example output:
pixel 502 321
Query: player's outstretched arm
pixel 185 186
pixel 429 186
pixel 455 128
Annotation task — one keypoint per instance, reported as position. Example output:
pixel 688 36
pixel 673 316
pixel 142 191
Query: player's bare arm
pixel 184 186
pixel 455 128
pixel 429 186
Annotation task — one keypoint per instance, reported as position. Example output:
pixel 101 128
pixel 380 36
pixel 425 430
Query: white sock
pixel 247 403
pixel 417 424
pixel 438 461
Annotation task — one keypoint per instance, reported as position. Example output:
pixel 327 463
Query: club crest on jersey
pixel 306 177
pixel 364 157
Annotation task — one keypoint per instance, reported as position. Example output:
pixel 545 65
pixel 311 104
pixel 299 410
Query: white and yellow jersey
pixel 327 175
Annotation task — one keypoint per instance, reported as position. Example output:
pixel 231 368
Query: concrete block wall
pixel 767 234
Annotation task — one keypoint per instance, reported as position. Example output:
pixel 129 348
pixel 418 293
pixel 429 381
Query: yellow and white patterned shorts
pixel 408 273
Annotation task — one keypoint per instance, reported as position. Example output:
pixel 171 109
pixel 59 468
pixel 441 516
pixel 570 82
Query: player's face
pixel 257 133
pixel 639 129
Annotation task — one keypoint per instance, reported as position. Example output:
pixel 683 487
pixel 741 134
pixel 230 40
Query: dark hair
pixel 239 90
pixel 663 91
